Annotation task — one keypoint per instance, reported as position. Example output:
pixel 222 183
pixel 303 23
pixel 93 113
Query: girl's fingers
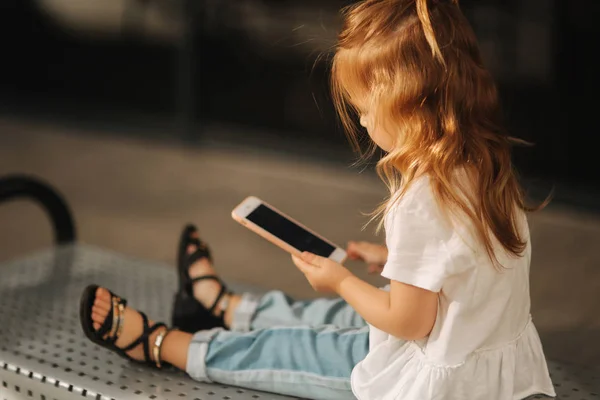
pixel 357 250
pixel 374 268
pixel 301 264
pixel 314 260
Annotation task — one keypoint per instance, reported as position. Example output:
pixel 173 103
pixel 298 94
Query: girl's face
pixel 378 135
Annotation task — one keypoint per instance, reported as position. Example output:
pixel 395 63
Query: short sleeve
pixel 416 238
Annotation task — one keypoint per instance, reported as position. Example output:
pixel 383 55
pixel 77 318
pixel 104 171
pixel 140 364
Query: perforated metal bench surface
pixel 44 355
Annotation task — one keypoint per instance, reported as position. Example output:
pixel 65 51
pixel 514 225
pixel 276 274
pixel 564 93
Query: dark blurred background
pixel 253 63
pixel 147 114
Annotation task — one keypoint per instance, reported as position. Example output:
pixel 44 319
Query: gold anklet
pixel 158 342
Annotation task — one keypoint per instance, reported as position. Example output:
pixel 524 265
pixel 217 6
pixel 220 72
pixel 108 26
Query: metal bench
pixel 45 356
pixel 43 352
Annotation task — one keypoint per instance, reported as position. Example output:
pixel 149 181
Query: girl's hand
pixel 374 255
pixel 323 274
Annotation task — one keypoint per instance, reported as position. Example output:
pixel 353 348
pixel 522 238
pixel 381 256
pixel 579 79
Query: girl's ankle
pixel 234 301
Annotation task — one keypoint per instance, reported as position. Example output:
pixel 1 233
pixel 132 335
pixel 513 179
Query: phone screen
pixel 289 232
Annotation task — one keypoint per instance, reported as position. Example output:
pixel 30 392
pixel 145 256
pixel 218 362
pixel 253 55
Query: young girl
pixel 455 321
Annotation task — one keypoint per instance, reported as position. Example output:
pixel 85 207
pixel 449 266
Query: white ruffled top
pixel 484 344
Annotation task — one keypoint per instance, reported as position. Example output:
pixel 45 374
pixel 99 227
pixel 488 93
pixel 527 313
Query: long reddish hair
pixel 416 66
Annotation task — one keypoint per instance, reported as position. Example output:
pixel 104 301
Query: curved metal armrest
pixel 23 186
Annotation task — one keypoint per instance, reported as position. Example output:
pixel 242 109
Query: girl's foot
pixel 202 301
pixel 132 324
pixel 108 322
pixel 206 291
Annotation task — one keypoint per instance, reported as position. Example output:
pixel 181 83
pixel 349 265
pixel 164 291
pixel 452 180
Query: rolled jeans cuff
pixel 196 362
pixel 244 313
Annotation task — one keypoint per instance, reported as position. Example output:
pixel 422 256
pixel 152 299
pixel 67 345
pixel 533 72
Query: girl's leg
pixel 277 309
pixel 248 312
pixel 296 361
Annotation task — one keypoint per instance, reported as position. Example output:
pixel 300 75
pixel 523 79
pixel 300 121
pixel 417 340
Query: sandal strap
pixel 117 320
pixel 143 339
pixel 206 277
pixel 199 254
pixel 218 299
pixel 195 241
pixel 186 240
pixel 190 229
pixel 107 325
pixel 140 338
pixel 191 281
pixel 199 244
pixel 222 292
pixel 121 320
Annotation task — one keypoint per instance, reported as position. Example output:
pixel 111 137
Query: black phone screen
pixel 289 232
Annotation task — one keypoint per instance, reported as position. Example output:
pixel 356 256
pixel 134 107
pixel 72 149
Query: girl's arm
pixel 406 311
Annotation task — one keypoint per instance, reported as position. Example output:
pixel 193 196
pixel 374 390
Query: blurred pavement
pixel 134 196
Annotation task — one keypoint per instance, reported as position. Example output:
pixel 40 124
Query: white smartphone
pixel 284 231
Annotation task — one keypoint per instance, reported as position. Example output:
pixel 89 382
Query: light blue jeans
pixel 297 348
